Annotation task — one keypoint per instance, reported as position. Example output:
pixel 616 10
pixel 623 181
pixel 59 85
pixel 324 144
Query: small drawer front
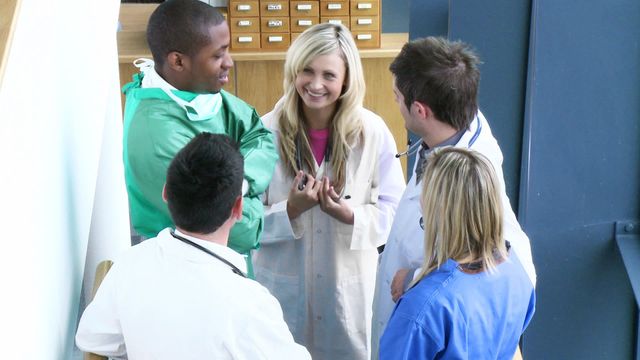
pixel 294 36
pixel 244 25
pixel 274 24
pixel 274 8
pixel 305 8
pixel 344 20
pixel 276 41
pixel 244 8
pixel 300 24
pixel 365 7
pixel 367 39
pixel 245 41
pixel 365 23
pixel 334 8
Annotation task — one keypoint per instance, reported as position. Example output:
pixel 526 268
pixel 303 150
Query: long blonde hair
pixel 346 126
pixel 462 210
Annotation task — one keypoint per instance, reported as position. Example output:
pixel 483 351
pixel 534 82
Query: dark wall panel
pixel 580 174
pixel 395 15
pixel 499 31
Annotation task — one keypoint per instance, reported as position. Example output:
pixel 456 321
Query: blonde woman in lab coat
pixel 332 198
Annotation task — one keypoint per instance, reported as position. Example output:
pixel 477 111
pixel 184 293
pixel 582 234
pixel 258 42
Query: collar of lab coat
pixel 196 254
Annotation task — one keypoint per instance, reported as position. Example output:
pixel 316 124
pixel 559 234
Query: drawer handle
pixel 244 8
pixel 305 22
pixel 244 23
pixel 303 7
pixel 275 39
pixel 274 23
pixel 364 6
pixel 335 22
pixel 245 39
pixel 365 21
pixel 274 7
pixel 365 37
pixel 334 6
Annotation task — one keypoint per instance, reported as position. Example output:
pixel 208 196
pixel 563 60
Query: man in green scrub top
pixel 177 96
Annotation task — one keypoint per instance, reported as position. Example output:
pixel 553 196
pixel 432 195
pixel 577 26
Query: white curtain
pixel 62 197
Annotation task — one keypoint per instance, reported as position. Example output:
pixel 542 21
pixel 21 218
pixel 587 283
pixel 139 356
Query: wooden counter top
pixel 133 45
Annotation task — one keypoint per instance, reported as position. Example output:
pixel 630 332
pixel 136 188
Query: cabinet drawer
pixel 367 39
pixel 274 8
pixel 244 8
pixel 365 23
pixel 304 8
pixel 300 24
pixel 276 41
pixel 244 25
pixel 344 20
pixel 365 7
pixel 245 41
pixel 334 8
pixel 294 36
pixel 274 24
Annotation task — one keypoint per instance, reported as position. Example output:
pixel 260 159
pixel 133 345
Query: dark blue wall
pixel 499 31
pixel 581 173
pixel 395 16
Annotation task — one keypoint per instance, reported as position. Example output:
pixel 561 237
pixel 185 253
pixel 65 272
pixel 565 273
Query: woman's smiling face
pixel 321 82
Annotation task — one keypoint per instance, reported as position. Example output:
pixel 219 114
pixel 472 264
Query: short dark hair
pixel 180 25
pixel 203 182
pixel 441 74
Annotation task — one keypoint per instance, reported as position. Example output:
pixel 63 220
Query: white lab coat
pixel 321 270
pixel 405 246
pixel 164 299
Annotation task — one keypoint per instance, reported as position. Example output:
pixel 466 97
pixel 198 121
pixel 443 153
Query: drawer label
pixel 244 23
pixel 274 23
pixel 245 39
pixel 365 21
pixel 274 7
pixel 364 6
pixel 365 37
pixel 335 21
pixel 303 7
pixel 334 6
pixel 275 38
pixel 244 8
pixel 305 22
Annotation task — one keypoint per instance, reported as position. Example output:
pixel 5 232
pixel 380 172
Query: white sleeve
pixel 277 225
pixel 99 330
pixel 261 332
pixel 372 222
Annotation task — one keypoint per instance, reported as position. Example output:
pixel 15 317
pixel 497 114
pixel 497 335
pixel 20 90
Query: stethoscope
pixel 413 148
pixel 202 248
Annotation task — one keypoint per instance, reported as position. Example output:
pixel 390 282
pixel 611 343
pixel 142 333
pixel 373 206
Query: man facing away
pixel 176 97
pixel 184 294
pixel 436 87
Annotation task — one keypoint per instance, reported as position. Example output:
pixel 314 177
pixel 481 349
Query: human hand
pixel 332 204
pixel 302 198
pixel 397 284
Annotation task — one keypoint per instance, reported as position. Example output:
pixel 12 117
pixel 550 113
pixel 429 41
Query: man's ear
pixel 236 211
pixel 164 192
pixel 176 61
pixel 422 110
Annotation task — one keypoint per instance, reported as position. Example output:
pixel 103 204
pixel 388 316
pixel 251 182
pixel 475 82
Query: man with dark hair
pixel 436 87
pixel 179 96
pixel 184 294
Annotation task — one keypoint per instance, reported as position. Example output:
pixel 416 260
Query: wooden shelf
pixel 133 45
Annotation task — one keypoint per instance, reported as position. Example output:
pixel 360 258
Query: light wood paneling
pixel 379 99
pixel 8 19
pixel 134 17
pixel 259 83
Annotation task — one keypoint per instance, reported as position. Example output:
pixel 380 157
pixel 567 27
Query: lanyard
pixel 202 248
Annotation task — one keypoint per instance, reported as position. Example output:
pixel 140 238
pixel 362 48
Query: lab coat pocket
pixel 355 295
pixel 359 193
pixel 285 288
